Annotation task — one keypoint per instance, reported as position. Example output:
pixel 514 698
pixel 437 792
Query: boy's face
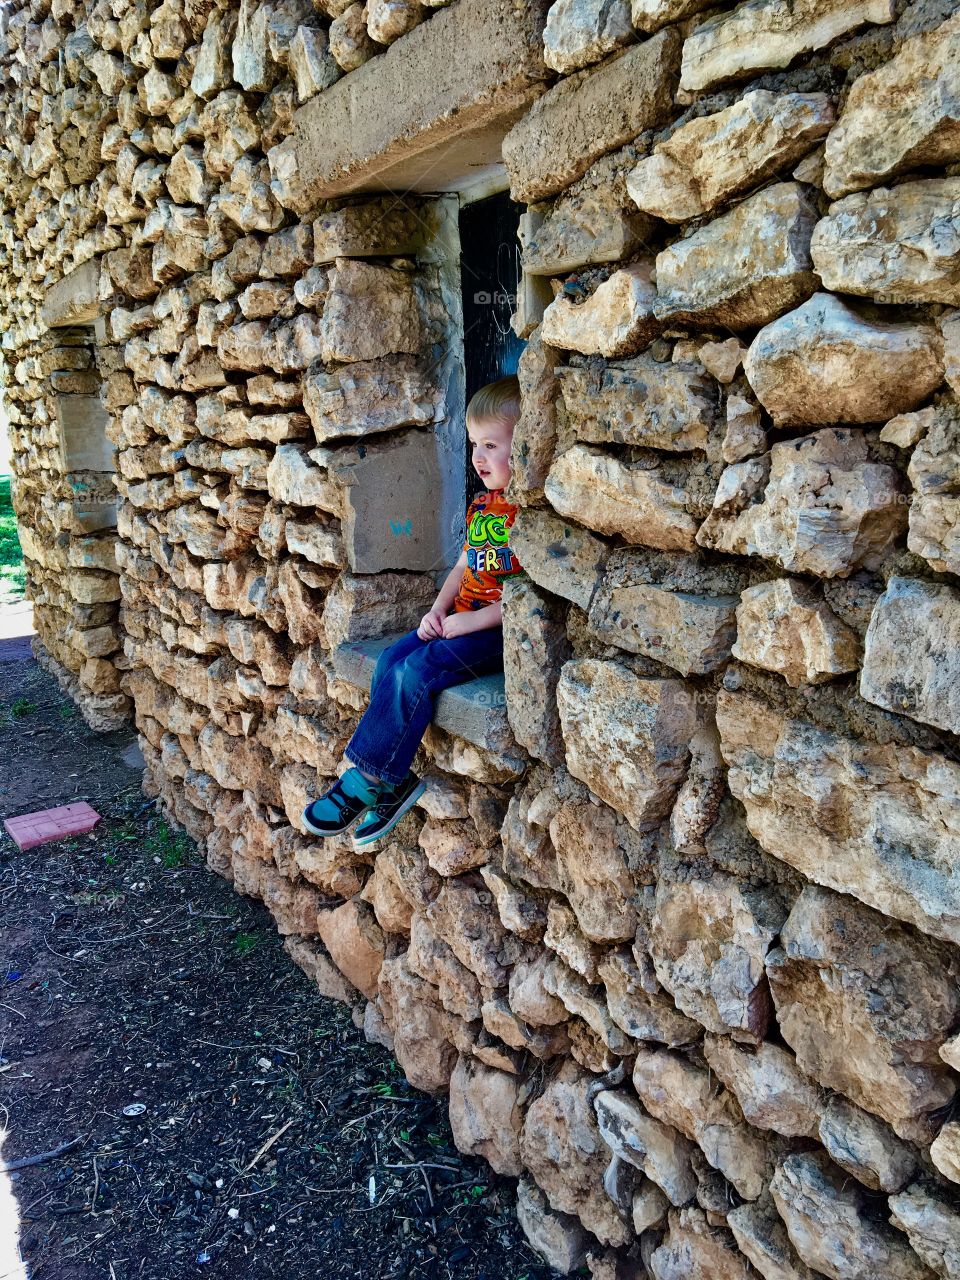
pixel 490 443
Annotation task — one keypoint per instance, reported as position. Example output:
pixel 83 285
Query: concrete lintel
pixel 429 113
pixel 475 711
pixel 75 298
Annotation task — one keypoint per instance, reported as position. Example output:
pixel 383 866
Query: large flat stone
pixel 475 710
pixel 416 117
pixel 878 822
pixel 899 245
pixel 83 439
pixel 589 114
pixel 75 298
pixel 910 654
pixel 744 268
pixel 901 116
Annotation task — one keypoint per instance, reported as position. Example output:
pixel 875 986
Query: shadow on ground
pixel 227 1119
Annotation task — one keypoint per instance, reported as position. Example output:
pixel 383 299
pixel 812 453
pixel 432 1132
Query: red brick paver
pixel 52 824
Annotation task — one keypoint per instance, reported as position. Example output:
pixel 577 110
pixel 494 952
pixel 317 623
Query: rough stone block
pixel 785 626
pixel 534 649
pixel 589 114
pixel 75 298
pixel 616 320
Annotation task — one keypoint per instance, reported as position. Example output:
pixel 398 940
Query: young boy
pixel 447 648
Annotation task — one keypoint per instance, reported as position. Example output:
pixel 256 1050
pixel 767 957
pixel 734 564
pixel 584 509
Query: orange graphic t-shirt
pixel 489 558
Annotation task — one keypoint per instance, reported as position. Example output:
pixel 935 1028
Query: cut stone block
pixel 83 434
pixel 75 299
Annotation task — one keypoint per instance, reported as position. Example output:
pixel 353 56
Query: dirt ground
pixel 223 1118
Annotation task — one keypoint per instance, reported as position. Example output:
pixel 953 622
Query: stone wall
pixel 677 926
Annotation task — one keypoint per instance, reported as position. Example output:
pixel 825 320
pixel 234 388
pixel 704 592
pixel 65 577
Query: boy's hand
pixel 431 625
pixel 458 624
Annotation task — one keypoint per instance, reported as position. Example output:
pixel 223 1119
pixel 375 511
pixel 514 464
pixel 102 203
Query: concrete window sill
pixel 475 711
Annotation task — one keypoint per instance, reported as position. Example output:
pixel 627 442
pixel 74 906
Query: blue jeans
pixel 408 677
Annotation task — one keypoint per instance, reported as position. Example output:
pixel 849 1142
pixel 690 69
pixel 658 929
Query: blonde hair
pixel 498 401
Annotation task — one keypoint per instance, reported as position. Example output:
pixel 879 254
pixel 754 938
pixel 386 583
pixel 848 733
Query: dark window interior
pixel 489 277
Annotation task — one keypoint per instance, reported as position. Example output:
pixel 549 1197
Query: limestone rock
pixel 615 320
pixel 313 67
pixel 640 402
pixel 578 32
pixel 744 268
pixel 529 998
pixel 945 1151
pixel 772 1090
pixel 558 1237
pixel 714 157
pixel 688 1097
pixel 355 941
pixel 901 115
pixel 932 1226
pixel 950 330
pixel 826 508
pixel 594 222
pixel 370 311
pixel 535 647
pixel 934 471
pixel 651 15
pixel 388 20
pixel 424 1034
pixel 593 846
pixel 691 633
pixel 350 42
pixel 892 245
pixel 387 227
pixel 485 1116
pixel 368 396
pixel 611 496
pixel 909 652
pixel 293 478
pixel 755 35
pixel 626 737
pixel 762 1237
pixel 560 557
pixel 875 821
pixel 692 1251
pixel 865 1146
pixel 826 1219
pixel 659 1150
pixel 535 434
pixel 589 114
pixel 824 363
pixel 865 1006
pixel 639 1007
pixel 579 999
pixel 562 1148
pixel 708 940
pixel 786 626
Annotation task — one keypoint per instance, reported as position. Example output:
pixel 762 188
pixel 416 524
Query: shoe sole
pixel 407 805
pixel 339 830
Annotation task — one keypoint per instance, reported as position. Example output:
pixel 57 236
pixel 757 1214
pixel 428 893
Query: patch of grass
pixel 21 707
pixel 171 848
pixel 244 943
pixel 13 575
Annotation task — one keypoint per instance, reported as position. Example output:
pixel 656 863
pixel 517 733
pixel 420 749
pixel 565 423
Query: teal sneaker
pixel 350 797
pixel 391 805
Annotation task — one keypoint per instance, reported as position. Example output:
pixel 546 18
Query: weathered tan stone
pixel 558 1237
pixel 865 1146
pixel 319 968
pixel 772 1091
pixel 715 157
pixel 828 1226
pixel 369 396
pixel 561 1146
pixel 874 821
pixel 560 557
pixel 708 940
pixel 528 996
pixel 824 363
pixel 932 1226
pixel 744 268
pixel 692 1251
pixel 594 222
pixel 687 1097
pixel 837 957
pixel 638 1006
pixel 786 626
pixel 350 42
pixel 934 471
pixel 909 649
pixel 579 999
pixel 355 941
pixel 826 508
pixel 658 1149
pixel 892 245
pixel 899 116
pixel 293 478
pixel 370 311
pixel 589 114
pixel 424 1033
pixel 640 402
pixel 616 320
pixel 945 1151
pixel 535 647
pixel 763 1239
pixel 950 331
pixel 754 36
pixel 593 846
pixel 578 32
pixel 611 496
pixel 626 737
